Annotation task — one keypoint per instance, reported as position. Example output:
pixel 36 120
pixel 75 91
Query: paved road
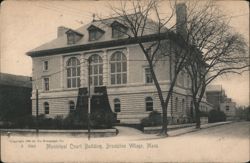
pixel 225 143
pixel 232 130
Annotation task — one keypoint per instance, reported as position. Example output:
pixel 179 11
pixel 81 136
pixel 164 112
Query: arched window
pixel 117 105
pixel 118 64
pixel 96 70
pixel 46 108
pixel 176 104
pixel 71 106
pixel 149 104
pixel 73 73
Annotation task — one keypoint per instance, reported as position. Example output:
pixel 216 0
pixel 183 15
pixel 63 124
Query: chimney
pixel 61 31
pixel 181 19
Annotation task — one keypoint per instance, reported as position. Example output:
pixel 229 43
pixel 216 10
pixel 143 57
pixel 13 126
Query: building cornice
pixel 99 45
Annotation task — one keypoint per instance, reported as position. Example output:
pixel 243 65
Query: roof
pixel 15 80
pixel 104 24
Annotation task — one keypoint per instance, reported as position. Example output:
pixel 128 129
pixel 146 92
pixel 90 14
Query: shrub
pixel 27 121
pixel 75 120
pixel 216 116
pixel 203 114
pixel 154 119
pixel 102 119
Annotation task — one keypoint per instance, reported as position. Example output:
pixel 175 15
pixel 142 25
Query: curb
pixel 93 132
pixel 174 128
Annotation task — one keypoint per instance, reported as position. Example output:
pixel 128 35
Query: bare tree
pixel 216 49
pixel 156 41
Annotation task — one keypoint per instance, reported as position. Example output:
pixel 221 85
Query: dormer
pixel 73 36
pixel 118 30
pixel 95 33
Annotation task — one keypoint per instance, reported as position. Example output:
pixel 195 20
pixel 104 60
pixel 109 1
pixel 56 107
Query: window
pixel 71 106
pixel 149 104
pixel 176 104
pixel 46 84
pixel 148 76
pixel 73 73
pixel 118 29
pixel 117 105
pixel 118 68
pixel 149 51
pixel 46 108
pixel 188 82
pixel 118 32
pixel 227 108
pixel 45 65
pixel 96 70
pixel 181 79
pixel 183 105
pixel 95 33
pixel 73 36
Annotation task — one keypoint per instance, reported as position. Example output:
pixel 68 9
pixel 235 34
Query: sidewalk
pixel 177 132
pixel 180 127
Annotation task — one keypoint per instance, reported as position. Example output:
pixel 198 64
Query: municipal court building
pixel 61 68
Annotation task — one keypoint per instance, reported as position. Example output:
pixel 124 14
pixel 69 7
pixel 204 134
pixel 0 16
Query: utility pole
pixel 89 98
pixel 37 109
pixel 170 75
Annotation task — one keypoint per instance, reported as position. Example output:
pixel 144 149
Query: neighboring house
pixel 60 68
pixel 217 97
pixel 229 108
pixel 15 94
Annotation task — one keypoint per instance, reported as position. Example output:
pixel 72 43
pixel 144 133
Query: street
pixel 224 143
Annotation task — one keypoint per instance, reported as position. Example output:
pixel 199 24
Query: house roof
pixel 15 80
pixel 104 25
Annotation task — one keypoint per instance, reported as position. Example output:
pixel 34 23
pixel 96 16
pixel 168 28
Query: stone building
pixel 15 94
pixel 60 68
pixel 216 96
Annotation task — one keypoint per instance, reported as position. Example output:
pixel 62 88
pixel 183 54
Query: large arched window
pixel 73 73
pixel 71 106
pixel 117 105
pixel 46 108
pixel 149 104
pixel 96 70
pixel 118 64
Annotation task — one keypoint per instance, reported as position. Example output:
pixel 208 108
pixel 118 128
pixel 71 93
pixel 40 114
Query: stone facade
pixel 126 81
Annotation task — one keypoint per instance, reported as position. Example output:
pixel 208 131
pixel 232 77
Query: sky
pixel 26 25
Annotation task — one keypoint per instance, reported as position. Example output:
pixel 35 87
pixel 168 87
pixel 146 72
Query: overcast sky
pixel 28 24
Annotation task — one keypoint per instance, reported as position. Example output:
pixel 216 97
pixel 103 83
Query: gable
pixel 95 33
pixel 73 36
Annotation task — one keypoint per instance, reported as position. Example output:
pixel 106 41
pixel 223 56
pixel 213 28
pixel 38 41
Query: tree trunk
pixel 197 115
pixel 164 130
pixel 165 122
